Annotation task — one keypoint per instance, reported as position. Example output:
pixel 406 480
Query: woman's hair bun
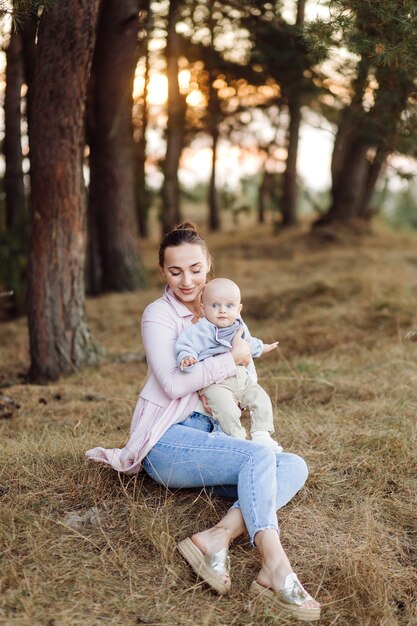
pixel 187 226
pixel 186 232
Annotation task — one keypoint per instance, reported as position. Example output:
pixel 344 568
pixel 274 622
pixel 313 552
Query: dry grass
pixel 344 384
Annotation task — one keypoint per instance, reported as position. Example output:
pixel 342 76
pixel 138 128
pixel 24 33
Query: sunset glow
pixel 158 87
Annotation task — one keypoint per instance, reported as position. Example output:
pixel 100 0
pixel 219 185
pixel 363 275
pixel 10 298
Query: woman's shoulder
pixel 161 311
pixel 157 308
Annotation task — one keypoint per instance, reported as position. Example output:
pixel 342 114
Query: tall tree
pixel 214 116
pixel 19 71
pixel 142 192
pixel 13 176
pixel 171 213
pixel 27 28
pixel 219 72
pixel 279 47
pixel 381 109
pixel 59 337
pixel 112 206
pixel 289 192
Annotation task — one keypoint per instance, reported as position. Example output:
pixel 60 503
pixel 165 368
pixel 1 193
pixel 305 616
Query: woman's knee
pixel 261 455
pixel 299 467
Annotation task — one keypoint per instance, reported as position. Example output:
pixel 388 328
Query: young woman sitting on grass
pixel 180 445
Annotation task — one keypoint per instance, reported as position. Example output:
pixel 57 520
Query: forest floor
pixel 80 544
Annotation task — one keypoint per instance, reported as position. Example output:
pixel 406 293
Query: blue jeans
pixel 196 453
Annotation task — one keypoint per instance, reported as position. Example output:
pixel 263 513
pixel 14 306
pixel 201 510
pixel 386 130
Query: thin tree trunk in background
pixel 59 338
pixel 171 213
pixel 263 193
pixel 28 28
pixel 213 112
pixel 289 191
pixel 142 194
pixel 13 176
pixel 93 264
pixel 214 213
pixel 112 178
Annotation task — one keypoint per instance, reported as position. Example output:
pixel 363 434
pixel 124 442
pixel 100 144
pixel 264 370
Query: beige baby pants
pixel 222 398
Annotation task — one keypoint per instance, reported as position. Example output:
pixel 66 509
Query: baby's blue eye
pixel 215 306
pixel 229 306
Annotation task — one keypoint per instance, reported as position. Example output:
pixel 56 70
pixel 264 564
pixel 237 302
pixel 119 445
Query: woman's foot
pixel 275 580
pixel 208 555
pixel 213 541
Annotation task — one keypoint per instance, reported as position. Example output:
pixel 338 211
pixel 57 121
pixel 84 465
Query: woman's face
pixel 185 270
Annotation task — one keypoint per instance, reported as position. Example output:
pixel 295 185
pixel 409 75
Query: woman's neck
pixel 194 307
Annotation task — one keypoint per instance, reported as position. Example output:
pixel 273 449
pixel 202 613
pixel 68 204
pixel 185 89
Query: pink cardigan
pixel 169 395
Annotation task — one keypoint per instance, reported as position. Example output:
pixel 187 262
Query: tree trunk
pixel 289 191
pixel 171 213
pixel 142 193
pixel 112 181
pixel 363 141
pixel 347 190
pixel 214 213
pixel 374 170
pixel 29 26
pixel 59 338
pixel 13 177
pixel 264 194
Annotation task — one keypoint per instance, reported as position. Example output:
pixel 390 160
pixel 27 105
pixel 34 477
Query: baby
pixel 213 334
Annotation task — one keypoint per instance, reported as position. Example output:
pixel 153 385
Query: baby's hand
pixel 187 361
pixel 270 346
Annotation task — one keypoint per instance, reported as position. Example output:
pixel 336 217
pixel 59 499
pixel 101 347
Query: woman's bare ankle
pixel 273 576
pixel 213 539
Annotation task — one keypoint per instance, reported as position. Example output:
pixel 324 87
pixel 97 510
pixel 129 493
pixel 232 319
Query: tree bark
pixel 59 338
pixel 214 212
pixel 142 193
pixel 29 26
pixel 265 193
pixel 112 201
pixel 13 177
pixel 171 213
pixel 363 141
pixel 347 189
pixel 289 190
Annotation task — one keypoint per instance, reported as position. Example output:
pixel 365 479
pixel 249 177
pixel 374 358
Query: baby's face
pixel 221 305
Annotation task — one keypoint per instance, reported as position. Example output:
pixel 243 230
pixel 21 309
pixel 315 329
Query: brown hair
pixel 183 233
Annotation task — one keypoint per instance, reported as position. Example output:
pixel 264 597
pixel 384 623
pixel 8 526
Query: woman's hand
pixel 240 349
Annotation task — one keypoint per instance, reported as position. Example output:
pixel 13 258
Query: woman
pixel 180 445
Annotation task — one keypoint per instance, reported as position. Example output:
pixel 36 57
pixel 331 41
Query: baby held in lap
pixel 213 334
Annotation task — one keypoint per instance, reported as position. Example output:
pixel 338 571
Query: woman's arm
pixel 159 338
